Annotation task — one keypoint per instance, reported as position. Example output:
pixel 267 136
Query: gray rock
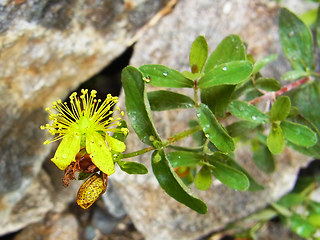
pixel 54 227
pixel 155 214
pixel 47 48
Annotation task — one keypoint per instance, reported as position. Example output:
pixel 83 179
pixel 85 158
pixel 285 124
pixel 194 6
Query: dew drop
pixel 254 117
pixel 165 74
pixel 291 34
pixel 224 69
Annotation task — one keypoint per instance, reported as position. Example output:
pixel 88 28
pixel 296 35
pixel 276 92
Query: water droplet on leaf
pixel 224 69
pixel 165 74
pixel 291 34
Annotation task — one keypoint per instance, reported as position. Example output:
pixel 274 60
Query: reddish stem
pixel 283 90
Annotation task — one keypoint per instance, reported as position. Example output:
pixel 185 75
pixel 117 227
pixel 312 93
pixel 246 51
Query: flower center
pixel 84 123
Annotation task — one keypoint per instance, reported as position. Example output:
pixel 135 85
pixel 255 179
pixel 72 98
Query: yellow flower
pixel 85 124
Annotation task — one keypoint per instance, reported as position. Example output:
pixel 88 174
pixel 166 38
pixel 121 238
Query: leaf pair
pixel 281 129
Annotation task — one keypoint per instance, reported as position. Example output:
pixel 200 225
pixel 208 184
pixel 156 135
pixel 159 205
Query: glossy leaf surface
pixel 198 54
pixel 248 112
pixel 162 76
pixel 299 134
pixel 214 130
pixel 275 139
pixel 294 75
pixel 184 158
pixel 280 109
pixel 268 84
pixel 166 100
pixel 203 178
pixel 137 105
pixel 230 49
pixel 307 100
pixel 296 40
pixel 226 159
pixel 227 73
pixel 132 167
pixel 172 184
pixel 230 176
pixel 218 98
pixel 263 157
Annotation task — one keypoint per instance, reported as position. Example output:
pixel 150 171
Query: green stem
pixel 170 140
pixel 137 153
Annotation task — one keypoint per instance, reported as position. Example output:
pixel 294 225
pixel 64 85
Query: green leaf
pixel 314 219
pixel 302 226
pixel 137 105
pixel 314 206
pixel 166 100
pixel 263 62
pixel 280 109
pixel 192 76
pixel 275 139
pixel 227 73
pixel 184 158
pixel 162 76
pixel 262 157
pixel 306 99
pixel 268 84
pixel 230 49
pixel 119 135
pixel 284 211
pixel 318 27
pixel 296 40
pixel 229 176
pixel 198 54
pixel 309 17
pixel 241 128
pixel 246 111
pixel 214 130
pixel 173 185
pixel 218 98
pixel 203 178
pixel 291 200
pixel 299 134
pixel 226 159
pixel 132 167
pixel 294 75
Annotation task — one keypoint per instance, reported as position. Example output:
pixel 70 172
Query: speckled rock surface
pixel 54 227
pixel 47 48
pixel 155 214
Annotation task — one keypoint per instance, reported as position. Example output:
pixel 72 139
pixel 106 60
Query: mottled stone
pixel 54 227
pixel 47 48
pixel 153 212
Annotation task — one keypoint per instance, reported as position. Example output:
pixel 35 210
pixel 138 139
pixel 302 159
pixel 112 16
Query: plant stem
pixel 170 140
pixel 196 98
pixel 283 90
pixel 137 153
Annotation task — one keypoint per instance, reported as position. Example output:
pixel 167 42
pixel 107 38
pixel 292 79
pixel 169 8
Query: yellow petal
pixel 67 150
pixel 115 144
pixel 99 152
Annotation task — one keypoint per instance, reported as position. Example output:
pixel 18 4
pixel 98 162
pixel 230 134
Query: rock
pixel 113 202
pixel 55 227
pixel 47 48
pixel 153 212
